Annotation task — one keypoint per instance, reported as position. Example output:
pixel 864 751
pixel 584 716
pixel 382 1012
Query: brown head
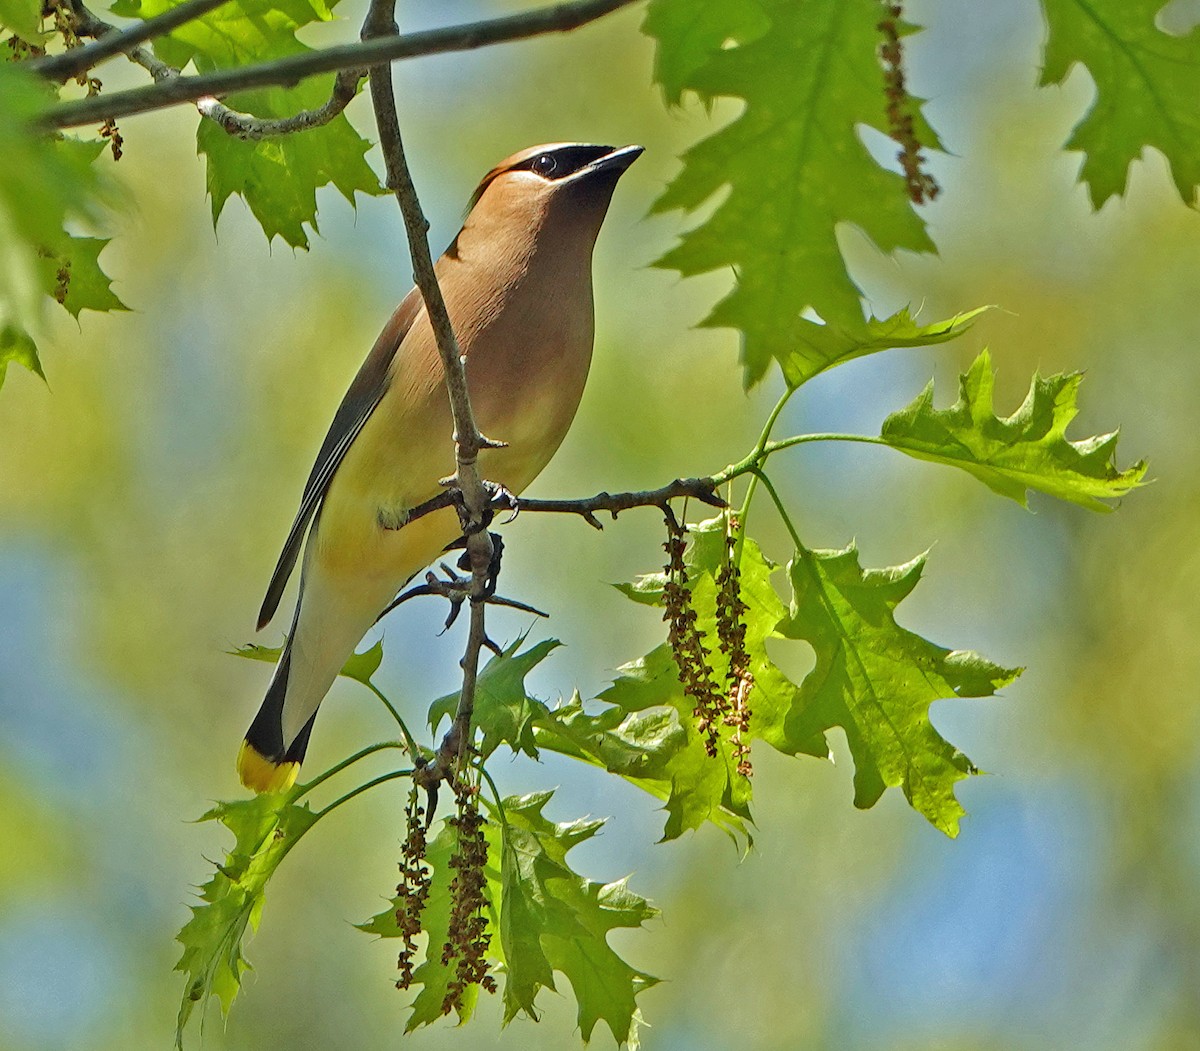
pixel 561 189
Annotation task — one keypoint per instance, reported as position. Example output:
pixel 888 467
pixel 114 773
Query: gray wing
pixel 365 393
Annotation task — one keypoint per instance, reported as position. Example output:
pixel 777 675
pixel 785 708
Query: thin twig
pixel 289 71
pixel 117 41
pixel 240 125
pixel 468 441
pixel 702 489
pixel 245 126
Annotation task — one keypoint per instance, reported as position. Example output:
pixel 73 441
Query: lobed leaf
pixel 552 919
pixel 278 176
pixel 873 678
pixel 793 164
pixel 265 827
pixel 44 183
pixel 543 918
pixel 1147 82
pixel 1013 454
pixel 876 680
pixel 22 17
pixel 504 712
pixel 359 666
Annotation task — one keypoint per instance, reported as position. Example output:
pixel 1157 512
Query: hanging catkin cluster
pixel 922 186
pixel 413 890
pixel 731 631
pixel 468 939
pixel 684 639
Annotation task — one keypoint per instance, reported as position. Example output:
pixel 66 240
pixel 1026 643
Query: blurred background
pixel 145 492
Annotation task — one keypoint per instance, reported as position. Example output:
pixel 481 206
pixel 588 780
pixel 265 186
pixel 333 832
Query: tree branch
pixel 468 441
pixel 117 41
pixel 245 126
pixel 702 489
pixel 241 125
pixel 289 71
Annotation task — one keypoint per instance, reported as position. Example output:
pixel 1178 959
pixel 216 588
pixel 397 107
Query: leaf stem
pixel 495 793
pixel 381 779
pixel 337 768
pixel 410 741
pixel 787 521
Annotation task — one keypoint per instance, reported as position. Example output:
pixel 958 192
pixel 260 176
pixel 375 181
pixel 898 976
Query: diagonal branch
pixel 289 71
pixel 120 41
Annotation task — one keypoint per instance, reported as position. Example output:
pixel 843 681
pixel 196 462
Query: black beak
pixel 615 161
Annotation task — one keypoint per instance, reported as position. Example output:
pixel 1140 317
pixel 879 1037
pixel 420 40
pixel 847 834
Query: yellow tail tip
pixel 261 774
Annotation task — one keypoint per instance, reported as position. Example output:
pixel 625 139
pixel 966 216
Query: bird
pixel 517 282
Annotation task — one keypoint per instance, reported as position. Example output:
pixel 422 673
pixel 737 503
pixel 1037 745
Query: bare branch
pixel 702 489
pixel 289 71
pixel 117 41
pixel 88 25
pixel 481 557
pixel 240 125
pixel 245 126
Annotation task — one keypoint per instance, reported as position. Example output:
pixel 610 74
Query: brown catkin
pixel 468 939
pixel 684 639
pixel 413 890
pixel 921 185
pixel 731 631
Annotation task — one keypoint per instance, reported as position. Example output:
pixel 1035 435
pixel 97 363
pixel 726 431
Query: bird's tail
pixel 264 764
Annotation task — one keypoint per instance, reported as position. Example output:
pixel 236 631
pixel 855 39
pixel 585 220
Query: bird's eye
pixel 545 164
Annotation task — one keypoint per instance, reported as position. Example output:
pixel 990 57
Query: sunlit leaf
pixel 23 17
pixel 543 918
pixel 432 974
pixel 794 166
pixel 44 183
pixel 1147 83
pixel 1013 454
pixel 359 666
pixel 504 712
pixel 880 696
pixel 876 680
pixel 266 827
pixel 829 345
pixel 278 175
pixel 73 277
pixel 553 919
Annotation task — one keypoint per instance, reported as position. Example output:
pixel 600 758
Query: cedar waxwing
pixel 517 281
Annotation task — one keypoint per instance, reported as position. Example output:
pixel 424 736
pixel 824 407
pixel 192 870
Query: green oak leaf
pixel 359 666
pixel 266 828
pixel 830 345
pixel 432 975
pixel 552 919
pixel 22 17
pixel 697 787
pixel 504 712
pixel 795 169
pixel 542 917
pixel 690 32
pixel 73 277
pixel 889 694
pixel 278 176
pixel 17 345
pixel 1013 454
pixel 1147 83
pixel 44 183
pixel 877 681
